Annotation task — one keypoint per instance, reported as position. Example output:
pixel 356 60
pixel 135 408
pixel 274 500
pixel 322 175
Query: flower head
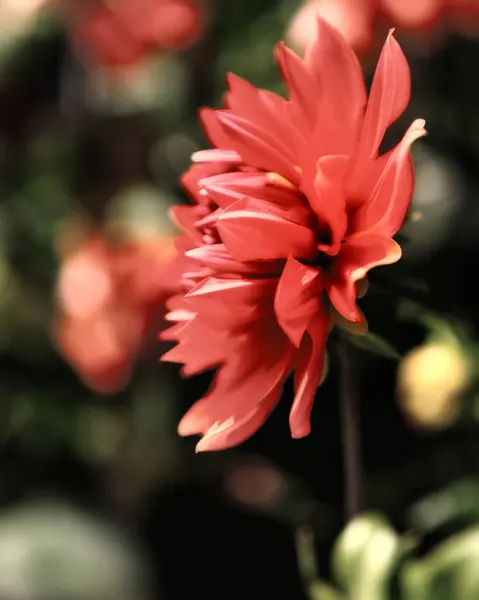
pixel 121 32
pixel 109 296
pixel 293 207
pixel 354 19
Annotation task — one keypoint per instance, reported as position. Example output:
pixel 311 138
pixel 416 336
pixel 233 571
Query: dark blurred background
pixel 99 497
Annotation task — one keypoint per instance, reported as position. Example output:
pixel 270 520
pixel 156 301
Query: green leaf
pixel 322 591
pixel 455 503
pixel 375 344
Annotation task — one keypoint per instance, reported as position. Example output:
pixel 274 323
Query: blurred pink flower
pixel 353 18
pixel 121 32
pixel 110 297
pixel 413 14
pixel 359 20
pixel 292 208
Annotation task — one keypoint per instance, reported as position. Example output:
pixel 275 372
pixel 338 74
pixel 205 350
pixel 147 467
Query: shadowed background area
pixel 99 496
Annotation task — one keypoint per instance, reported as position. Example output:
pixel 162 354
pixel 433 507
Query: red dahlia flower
pixel 301 207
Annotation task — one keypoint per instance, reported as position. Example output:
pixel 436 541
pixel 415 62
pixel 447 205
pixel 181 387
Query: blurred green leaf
pixel 321 591
pixel 457 503
pixel 375 344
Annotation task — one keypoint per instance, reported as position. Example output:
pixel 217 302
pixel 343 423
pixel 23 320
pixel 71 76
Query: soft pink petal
pixel 388 205
pixel 358 255
pixel 309 374
pixel 298 298
pixel 259 235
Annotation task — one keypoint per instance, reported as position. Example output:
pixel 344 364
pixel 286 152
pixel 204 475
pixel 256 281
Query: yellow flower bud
pixel 431 379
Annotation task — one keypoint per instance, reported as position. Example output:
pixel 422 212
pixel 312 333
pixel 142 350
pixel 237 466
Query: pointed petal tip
pixel 186 427
pixel 323 24
pixel 301 432
pixel 203 446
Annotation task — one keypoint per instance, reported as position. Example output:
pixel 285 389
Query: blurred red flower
pixel 293 208
pixel 353 18
pixel 110 297
pixel 121 32
pixel 358 20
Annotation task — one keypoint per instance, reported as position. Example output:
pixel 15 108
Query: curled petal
pixel 353 327
pixel 260 235
pixel 358 255
pixel 310 373
pixel 298 298
pixel 388 205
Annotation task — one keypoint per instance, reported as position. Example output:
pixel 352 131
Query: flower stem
pixel 350 429
pixel 306 559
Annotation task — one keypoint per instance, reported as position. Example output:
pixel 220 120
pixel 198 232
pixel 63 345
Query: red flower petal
pixel 302 88
pixel 298 298
pixel 259 106
pixel 235 430
pixel 386 209
pixel 257 146
pixel 335 67
pixel 326 195
pixel 390 94
pixel 256 365
pixel 219 259
pixel 358 255
pixel 260 235
pixel 309 374
pixel 216 155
